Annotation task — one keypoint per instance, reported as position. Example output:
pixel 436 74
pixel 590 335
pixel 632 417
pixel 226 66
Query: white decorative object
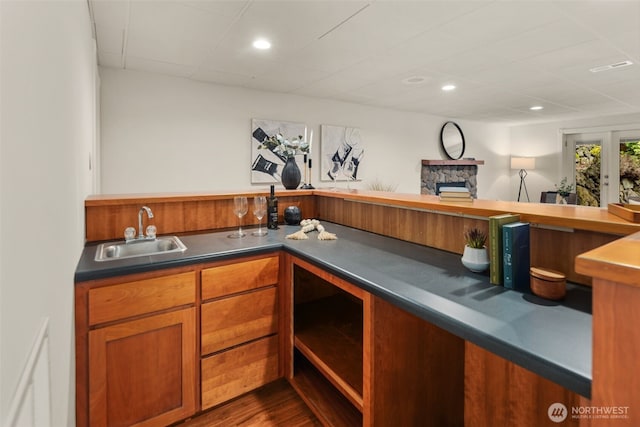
pixel 308 225
pixel 476 260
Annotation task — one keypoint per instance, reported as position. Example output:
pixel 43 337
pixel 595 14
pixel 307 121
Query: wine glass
pixel 240 209
pixel 259 210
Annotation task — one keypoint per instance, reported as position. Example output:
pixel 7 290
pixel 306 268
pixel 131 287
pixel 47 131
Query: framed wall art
pixel 341 151
pixel 266 165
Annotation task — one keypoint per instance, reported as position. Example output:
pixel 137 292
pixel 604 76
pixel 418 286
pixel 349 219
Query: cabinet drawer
pixel 140 297
pixel 239 370
pixel 241 318
pixel 239 277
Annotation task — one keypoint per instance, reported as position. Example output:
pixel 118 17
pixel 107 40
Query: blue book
pixel 515 243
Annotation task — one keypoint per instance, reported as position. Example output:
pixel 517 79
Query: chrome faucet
pixel 149 214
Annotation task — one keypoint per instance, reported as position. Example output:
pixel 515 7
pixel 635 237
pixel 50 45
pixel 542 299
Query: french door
pixel 592 160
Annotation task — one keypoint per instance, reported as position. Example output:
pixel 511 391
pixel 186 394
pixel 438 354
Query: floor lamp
pixel 523 163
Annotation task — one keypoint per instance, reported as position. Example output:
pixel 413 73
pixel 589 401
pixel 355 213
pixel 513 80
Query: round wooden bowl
pixel 547 283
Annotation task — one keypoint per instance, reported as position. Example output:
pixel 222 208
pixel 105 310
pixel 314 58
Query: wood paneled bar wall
pixel 107 216
pixel 559 233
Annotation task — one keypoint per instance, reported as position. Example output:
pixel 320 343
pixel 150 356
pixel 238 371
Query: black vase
pixel 291 174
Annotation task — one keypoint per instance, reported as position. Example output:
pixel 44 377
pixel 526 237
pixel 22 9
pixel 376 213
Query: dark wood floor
pixel 275 404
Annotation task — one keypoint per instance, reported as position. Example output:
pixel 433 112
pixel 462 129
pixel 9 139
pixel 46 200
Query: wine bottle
pixel 272 210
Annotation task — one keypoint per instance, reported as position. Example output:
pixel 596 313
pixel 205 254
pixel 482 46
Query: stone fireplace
pixel 436 172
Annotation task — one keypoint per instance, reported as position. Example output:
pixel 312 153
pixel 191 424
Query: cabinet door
pixel 143 371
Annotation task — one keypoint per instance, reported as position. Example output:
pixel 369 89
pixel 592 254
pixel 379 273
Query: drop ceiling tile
pixel 564 93
pixel 248 62
pixel 165 21
pixel 113 14
pixel 228 79
pixel 286 79
pixel 547 38
pixel 329 86
pixel 607 108
pixel 593 14
pixel 109 60
pixel 500 20
pixel 173 51
pixel 624 91
pixel 510 76
pixel 468 62
pixel 143 64
pixel 428 48
pixel 110 39
pixel 328 56
pixel 582 76
pixel 399 21
pixel 629 43
pixel 354 99
pixel 588 55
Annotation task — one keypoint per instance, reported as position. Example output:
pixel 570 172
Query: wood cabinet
pixel 136 350
pixel 358 360
pixel 239 328
pixel 155 348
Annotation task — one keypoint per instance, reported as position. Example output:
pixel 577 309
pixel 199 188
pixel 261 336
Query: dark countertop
pixel 552 339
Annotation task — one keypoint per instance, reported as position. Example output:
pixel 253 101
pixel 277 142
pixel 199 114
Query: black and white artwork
pixel 266 165
pixel 342 150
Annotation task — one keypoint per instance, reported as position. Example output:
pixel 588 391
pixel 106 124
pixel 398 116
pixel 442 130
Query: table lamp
pixel 523 163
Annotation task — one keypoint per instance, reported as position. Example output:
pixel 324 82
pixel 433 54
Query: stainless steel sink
pixel 136 248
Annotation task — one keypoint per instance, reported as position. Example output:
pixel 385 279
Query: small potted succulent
pixel 475 256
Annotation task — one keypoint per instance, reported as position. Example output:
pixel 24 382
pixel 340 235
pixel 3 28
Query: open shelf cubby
pixel 328 332
pixel 331 407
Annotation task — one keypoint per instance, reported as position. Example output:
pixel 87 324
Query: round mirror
pixel 452 140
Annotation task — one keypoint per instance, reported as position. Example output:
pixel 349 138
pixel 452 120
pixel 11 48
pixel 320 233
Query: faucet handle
pixel 151 231
pixel 129 233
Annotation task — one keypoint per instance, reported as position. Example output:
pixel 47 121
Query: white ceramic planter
pixel 476 260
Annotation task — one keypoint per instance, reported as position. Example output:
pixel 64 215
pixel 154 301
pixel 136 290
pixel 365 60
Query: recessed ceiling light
pixel 414 80
pixel 536 108
pixel 448 88
pixel 611 66
pixel 262 44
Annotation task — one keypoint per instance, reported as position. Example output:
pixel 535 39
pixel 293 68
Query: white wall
pixel 47 122
pixel 544 142
pixel 162 133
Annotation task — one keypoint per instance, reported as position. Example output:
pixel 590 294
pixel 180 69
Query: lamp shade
pixel 526 163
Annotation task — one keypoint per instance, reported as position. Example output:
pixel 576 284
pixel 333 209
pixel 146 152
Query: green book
pixel 496 255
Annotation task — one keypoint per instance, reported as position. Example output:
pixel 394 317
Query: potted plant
pixel 564 190
pixel 475 256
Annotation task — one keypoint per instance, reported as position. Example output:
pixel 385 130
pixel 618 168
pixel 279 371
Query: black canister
pixel 292 215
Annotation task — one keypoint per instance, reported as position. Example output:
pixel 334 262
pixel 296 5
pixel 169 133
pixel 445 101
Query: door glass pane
pixel 588 163
pixel 629 169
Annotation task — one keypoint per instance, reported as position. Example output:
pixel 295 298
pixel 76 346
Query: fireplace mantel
pixel 463 162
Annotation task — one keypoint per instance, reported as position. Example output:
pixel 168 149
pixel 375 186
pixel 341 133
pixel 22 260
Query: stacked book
pixel 509 252
pixel 455 194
